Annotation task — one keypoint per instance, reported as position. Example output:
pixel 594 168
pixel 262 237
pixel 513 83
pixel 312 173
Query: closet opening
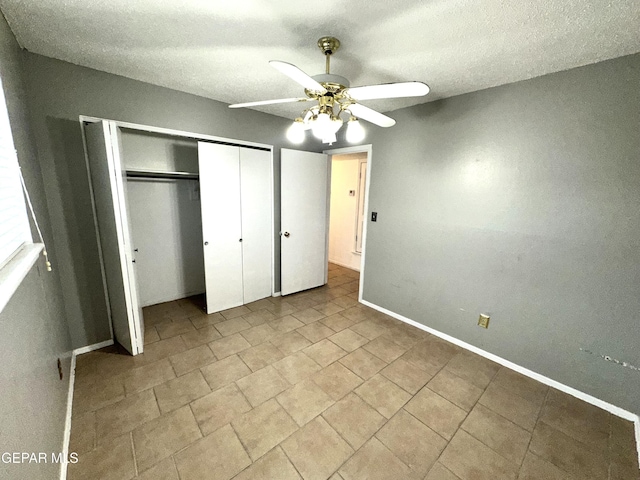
pixel 172 254
pixel 163 206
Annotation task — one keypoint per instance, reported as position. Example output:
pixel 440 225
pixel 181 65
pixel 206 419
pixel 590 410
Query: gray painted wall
pixel 59 92
pixel 520 201
pixel 523 202
pixel 34 330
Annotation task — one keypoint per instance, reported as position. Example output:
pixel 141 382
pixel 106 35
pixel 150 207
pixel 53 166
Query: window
pixel 14 223
pixel 18 253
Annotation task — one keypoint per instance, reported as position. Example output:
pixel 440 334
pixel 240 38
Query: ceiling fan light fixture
pixel 333 93
pixel 296 132
pixel 307 121
pixel 329 139
pixel 355 131
pixel 321 125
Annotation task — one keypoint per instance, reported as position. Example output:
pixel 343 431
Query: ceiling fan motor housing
pixel 331 80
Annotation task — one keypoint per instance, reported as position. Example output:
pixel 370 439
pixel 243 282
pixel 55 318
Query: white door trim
pixel 360 213
pixel 369 150
pixel 176 133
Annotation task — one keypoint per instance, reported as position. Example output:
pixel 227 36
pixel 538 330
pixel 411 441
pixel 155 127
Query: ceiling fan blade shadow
pixel 269 102
pixel 298 75
pixel 371 115
pixel 389 90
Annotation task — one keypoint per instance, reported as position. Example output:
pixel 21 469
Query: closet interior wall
pixel 165 216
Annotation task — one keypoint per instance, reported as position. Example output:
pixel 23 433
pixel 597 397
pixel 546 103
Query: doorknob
pixel 206 243
pixel 286 234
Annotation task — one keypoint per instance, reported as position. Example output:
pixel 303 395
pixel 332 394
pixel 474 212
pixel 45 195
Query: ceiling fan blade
pixel 269 102
pixel 298 75
pixel 370 115
pixel 389 90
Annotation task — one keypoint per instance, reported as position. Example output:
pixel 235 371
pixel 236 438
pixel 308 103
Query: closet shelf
pixel 161 174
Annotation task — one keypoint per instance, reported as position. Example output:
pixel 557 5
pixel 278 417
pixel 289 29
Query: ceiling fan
pixel 332 96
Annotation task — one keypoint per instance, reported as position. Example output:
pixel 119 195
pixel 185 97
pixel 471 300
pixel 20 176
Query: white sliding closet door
pixel 256 200
pixel 107 180
pixel 221 225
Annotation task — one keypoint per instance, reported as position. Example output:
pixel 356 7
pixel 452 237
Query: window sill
pixel 12 274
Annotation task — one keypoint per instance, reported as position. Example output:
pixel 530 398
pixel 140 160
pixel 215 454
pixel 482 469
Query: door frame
pixel 83 119
pixel 360 214
pixel 368 149
pixel 111 160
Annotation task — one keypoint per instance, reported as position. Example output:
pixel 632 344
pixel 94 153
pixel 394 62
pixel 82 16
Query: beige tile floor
pixel 317 386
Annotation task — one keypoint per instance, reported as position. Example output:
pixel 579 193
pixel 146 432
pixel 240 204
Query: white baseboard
pixel 529 373
pixel 72 381
pixel 91 348
pixel 67 421
pixel 350 267
pixel 637 422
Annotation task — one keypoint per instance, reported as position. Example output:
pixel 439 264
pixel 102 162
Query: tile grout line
pixel 133 451
pixel 499 414
pixel 409 413
pixel 538 417
pixel 175 466
pixel 284 452
pixel 190 404
pixel 462 421
pixel 538 420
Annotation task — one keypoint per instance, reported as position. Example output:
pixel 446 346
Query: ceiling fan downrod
pixel 328 45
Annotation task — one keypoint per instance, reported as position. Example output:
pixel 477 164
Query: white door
pixel 257 235
pixel 107 183
pixel 304 181
pixel 130 253
pixel 221 224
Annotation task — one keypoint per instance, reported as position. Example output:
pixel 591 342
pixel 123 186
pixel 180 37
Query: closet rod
pixel 159 174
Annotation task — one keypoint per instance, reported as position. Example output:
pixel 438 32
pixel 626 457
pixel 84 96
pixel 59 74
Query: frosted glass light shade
pixel 295 133
pixel 355 131
pixel 321 126
pixel 330 138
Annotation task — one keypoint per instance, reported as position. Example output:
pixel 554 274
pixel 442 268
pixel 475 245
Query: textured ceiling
pixel 220 49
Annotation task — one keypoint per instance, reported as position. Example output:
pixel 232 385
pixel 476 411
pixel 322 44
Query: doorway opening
pixel 305 215
pixel 349 182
